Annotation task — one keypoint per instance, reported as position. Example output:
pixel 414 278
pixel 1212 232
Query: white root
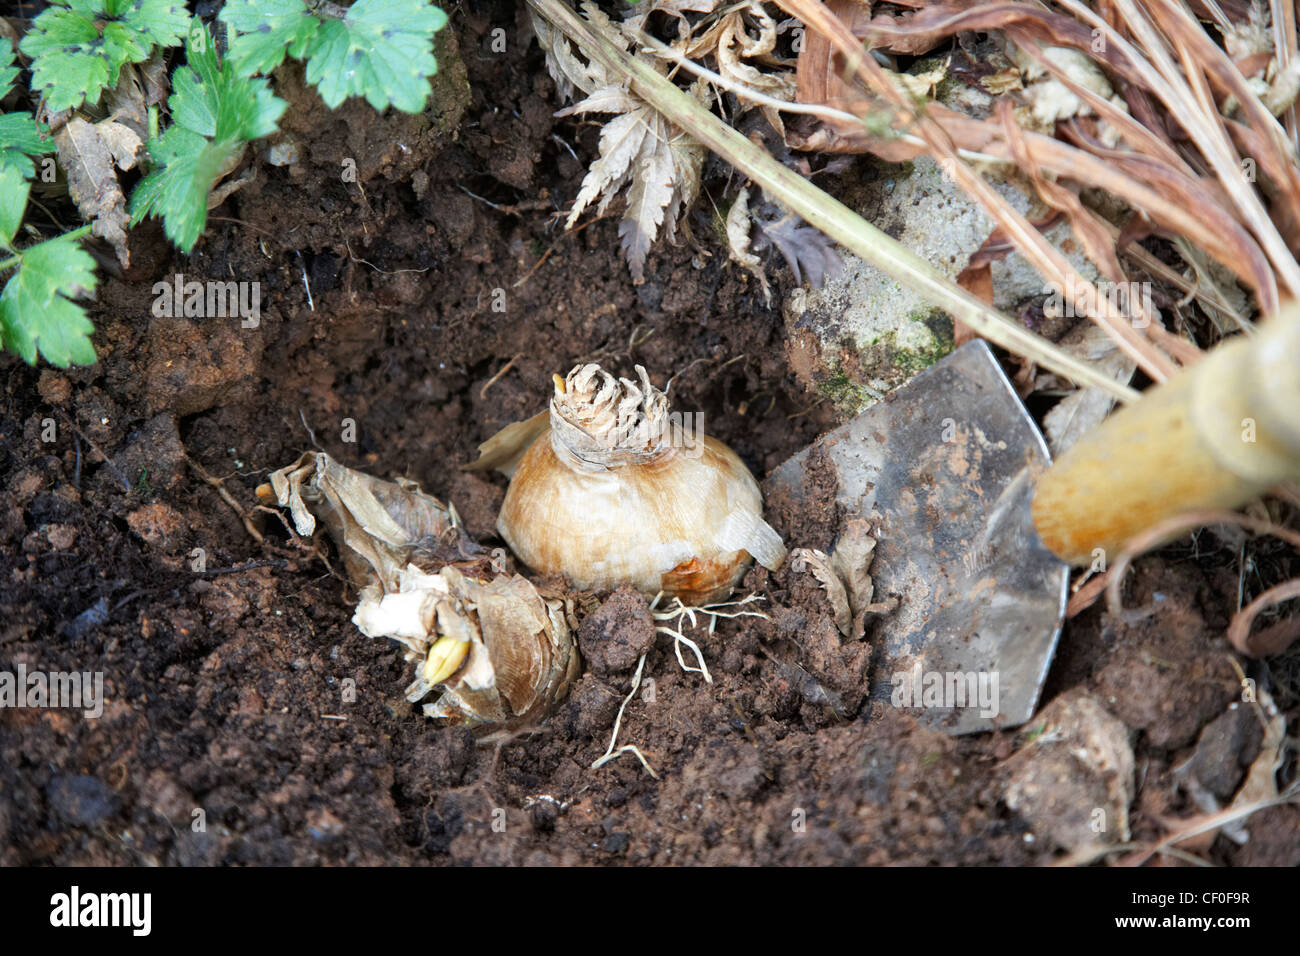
pixel 674 612
pixel 677 611
pixel 610 752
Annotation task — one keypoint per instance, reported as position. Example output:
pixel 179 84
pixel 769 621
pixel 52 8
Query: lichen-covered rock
pixel 862 334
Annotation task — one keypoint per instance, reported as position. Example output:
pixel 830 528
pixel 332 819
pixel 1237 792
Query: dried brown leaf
pixel 942 20
pixel 621 140
pixel 845 576
pixel 648 196
pixel 807 251
pixel 1213 68
pixel 568 71
pixel 854 552
pixel 738 242
pixel 1179 203
pixel 819 565
pixel 736 44
pixel 820 81
pixel 88 153
pixel 658 165
pixel 153 74
pixel 1086 225
pixel 377 525
pixel 688 162
pixel 1261 779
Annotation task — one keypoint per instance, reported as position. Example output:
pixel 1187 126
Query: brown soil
pixel 226 687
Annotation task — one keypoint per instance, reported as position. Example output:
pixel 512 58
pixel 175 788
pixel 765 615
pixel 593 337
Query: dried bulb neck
pixel 600 422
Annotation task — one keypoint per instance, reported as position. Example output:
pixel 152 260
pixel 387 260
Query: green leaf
pixel 382 50
pixel 36 307
pixel 213 100
pixel 78 47
pixel 262 31
pixel 20 138
pixel 8 72
pixel 179 190
pixel 214 113
pixel 13 202
pixel 67 66
pixel 161 23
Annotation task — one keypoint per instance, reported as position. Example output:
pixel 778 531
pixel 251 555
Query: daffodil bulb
pixel 502 652
pixel 615 489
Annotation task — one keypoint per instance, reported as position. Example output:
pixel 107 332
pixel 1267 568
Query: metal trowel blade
pixel 947 465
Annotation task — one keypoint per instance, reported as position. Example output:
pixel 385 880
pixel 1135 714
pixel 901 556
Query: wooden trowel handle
pixel 1215 435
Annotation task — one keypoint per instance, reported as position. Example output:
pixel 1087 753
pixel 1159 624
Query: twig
pixel 1087 594
pixel 1172 526
pixel 305 284
pixel 388 272
pixel 126 485
pixel 1274 639
pixel 227 497
pixel 1049 261
pixel 241 222
pixel 277 563
pixel 1201 121
pixel 547 254
pixel 528 205
pixel 302 416
pixel 1208 824
pixel 482 392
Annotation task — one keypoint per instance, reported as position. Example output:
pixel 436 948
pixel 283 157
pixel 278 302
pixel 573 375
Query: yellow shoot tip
pixel 445 658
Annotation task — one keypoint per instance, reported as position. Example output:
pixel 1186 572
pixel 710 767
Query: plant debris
pixel 88 153
pixel 501 652
pixel 658 166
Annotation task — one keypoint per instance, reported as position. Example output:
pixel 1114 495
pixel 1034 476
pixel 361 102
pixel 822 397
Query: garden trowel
pixel 945 467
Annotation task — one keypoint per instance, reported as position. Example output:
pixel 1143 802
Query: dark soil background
pixel 226 688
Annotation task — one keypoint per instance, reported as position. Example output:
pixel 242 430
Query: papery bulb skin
pixel 612 494
pixel 502 652
pixel 516 654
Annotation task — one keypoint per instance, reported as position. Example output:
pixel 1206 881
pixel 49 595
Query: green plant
pixel 20 136
pixel 36 308
pixel 215 113
pixel 381 50
pixel 376 48
pixel 78 47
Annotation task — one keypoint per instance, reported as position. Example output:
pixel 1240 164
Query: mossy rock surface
pixel 863 334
